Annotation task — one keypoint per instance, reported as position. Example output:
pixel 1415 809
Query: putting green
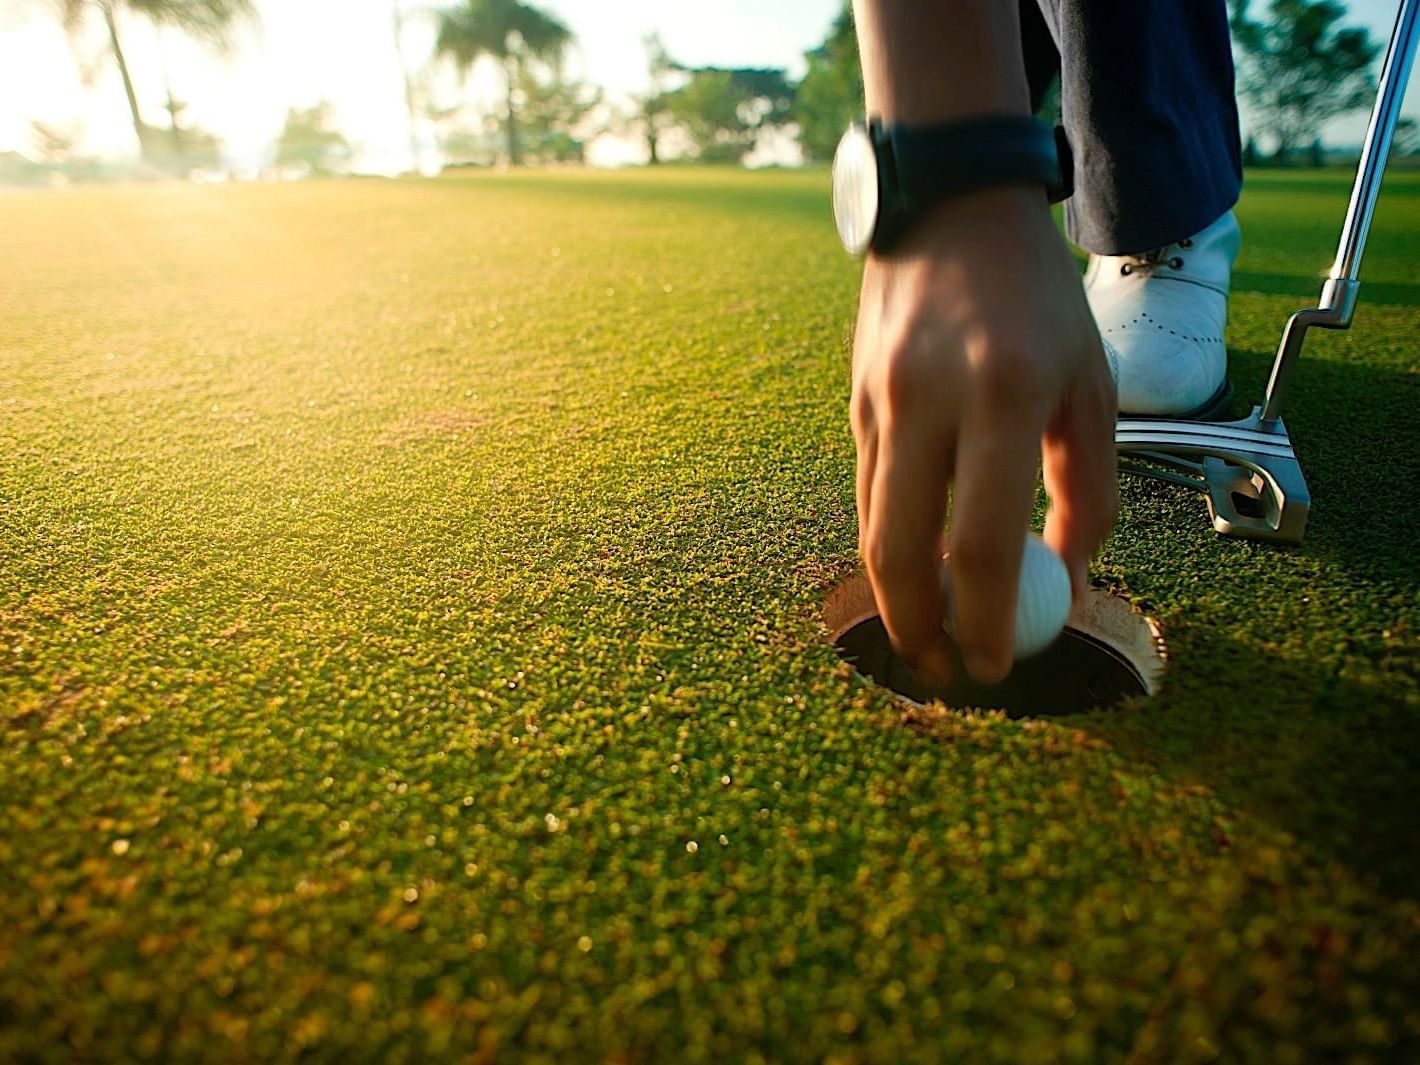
pixel 409 649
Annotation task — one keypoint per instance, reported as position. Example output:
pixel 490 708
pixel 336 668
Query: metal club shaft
pixel 1338 294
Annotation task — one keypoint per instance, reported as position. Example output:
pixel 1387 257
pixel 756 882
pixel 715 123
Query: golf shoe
pixel 1161 314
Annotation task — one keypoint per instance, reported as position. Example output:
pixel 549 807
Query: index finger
pixel 902 545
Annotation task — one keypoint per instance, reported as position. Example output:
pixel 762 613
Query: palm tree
pixel 210 21
pixel 507 31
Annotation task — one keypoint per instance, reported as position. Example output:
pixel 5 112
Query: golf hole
pixel 1108 652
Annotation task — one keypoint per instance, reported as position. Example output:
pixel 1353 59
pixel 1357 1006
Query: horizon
pixel 244 98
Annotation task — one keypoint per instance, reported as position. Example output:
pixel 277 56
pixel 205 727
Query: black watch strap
pixel 950 158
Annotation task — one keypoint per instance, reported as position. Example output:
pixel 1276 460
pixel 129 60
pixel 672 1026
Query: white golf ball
pixel 1042 603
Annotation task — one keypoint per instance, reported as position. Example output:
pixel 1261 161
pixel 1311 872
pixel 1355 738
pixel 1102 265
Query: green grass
pixel 409 649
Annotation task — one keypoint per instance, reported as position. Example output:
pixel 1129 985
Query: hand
pixel 975 356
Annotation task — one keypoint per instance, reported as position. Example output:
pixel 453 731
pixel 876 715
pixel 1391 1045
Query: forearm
pixel 935 60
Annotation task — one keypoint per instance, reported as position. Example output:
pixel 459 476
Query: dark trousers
pixel 1147 101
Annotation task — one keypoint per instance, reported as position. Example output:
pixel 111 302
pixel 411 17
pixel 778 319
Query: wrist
pixel 1003 210
pixel 887 178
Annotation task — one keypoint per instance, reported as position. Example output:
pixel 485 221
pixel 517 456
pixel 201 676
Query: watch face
pixel 855 190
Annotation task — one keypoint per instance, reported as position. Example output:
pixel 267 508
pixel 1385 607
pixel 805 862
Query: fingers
pixel 1081 473
pixel 997 454
pixel 972 361
pixel 865 434
pixel 901 546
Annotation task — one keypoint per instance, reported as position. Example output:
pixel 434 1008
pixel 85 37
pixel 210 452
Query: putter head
pixel 1247 469
pixel 1260 502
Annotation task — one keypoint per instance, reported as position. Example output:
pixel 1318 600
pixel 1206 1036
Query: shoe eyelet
pixel 1125 270
pixel 1187 242
pixel 1176 262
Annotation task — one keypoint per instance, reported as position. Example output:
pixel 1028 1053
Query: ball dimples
pixel 1043 603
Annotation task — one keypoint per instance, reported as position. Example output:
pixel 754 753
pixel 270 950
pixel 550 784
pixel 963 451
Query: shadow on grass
pixel 1356 430
pixel 1330 760
pixel 1319 735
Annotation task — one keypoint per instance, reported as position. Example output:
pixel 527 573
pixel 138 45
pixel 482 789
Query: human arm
pixel 975 356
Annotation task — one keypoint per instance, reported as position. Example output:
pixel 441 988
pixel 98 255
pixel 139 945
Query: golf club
pixel 1248 469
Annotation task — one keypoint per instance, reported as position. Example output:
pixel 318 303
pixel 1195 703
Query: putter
pixel 1248 469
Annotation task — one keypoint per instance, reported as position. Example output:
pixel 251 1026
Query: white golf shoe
pixel 1161 314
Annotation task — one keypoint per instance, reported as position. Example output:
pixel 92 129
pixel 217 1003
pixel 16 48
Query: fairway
pixel 410 650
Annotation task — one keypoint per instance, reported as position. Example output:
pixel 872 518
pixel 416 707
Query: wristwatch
pixel 886 177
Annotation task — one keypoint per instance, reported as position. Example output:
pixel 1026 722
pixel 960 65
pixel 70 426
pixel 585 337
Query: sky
pixel 343 51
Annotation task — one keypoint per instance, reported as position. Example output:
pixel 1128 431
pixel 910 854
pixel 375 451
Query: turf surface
pixel 409 649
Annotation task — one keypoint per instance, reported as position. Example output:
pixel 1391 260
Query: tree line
pixel 1298 67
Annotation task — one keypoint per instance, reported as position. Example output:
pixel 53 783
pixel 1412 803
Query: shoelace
pixel 1149 261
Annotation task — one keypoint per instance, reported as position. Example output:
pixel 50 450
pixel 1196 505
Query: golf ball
pixel 1043 601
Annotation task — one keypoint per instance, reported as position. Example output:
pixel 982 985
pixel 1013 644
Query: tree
pixel 654 116
pixel 650 117
pixel 1407 138
pixel 554 111
pixel 182 149
pixel 723 111
pixel 310 137
pixel 209 21
pixel 53 145
pixel 464 146
pixel 57 155
pixel 19 169
pixel 1299 68
pixel 513 34
pixel 830 95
